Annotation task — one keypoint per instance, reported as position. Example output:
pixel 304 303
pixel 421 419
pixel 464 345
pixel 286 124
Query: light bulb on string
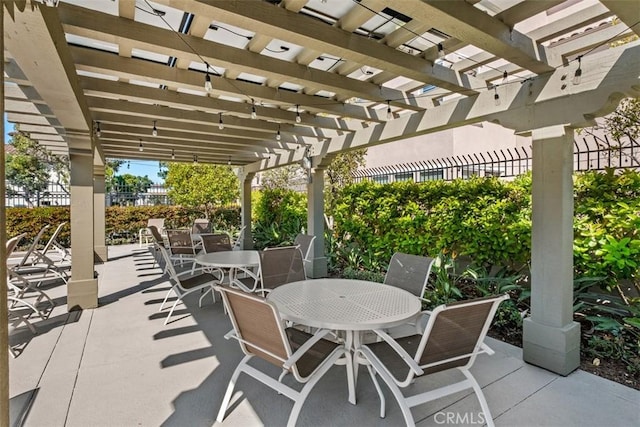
pixel 504 76
pixel 440 50
pixel 98 133
pixel 389 113
pixel 154 131
pixel 207 80
pixel 577 76
pixel 254 114
pixel 496 97
pixel 140 147
pixel 278 136
pixel 229 161
pixel 195 159
pixel 298 118
pixel 220 123
pixel 173 154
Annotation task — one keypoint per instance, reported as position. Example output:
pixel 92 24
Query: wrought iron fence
pixel 58 195
pixel 590 153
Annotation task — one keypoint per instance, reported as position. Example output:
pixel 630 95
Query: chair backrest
pixel 305 242
pixel 33 246
pixel 155 233
pixel 409 272
pixel 281 265
pixel 257 325
pixel 12 243
pixel 201 225
pixel 170 269
pixel 53 239
pixel 455 332
pixel 237 244
pixel 156 222
pixel 216 242
pixel 180 242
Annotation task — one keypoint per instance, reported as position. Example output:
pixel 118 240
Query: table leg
pixel 349 365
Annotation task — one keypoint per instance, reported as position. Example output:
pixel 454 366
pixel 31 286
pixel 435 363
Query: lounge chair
pixel 35 262
pixel 453 338
pixel 53 246
pixel 261 333
pixel 237 243
pixel 144 235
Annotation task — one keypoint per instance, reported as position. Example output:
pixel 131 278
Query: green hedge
pixel 485 219
pixel 121 223
pixel 489 221
pixel 31 220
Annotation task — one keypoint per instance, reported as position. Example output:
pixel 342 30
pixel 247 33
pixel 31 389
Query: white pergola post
pixel 315 222
pixel 551 339
pixel 245 206
pixel 99 244
pixel 4 315
pixel 82 289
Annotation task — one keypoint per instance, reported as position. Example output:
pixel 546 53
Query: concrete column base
pixel 551 348
pixel 82 294
pixel 318 268
pixel 100 254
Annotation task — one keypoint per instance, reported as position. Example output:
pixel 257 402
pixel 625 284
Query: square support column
pixel 99 244
pixel 551 339
pixel 315 223
pixel 245 206
pixel 82 289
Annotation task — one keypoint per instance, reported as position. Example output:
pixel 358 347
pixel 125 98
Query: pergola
pixel 260 84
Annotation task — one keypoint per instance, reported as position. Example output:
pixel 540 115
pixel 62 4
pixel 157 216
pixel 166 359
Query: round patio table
pixel 345 305
pixel 231 261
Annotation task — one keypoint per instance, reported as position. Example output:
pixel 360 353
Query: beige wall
pixel 479 138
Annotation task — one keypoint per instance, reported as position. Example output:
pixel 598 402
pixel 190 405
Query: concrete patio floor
pixel 118 365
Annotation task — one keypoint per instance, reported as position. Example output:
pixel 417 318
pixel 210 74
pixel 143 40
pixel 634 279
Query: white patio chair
pixel 237 243
pixel 187 282
pixel 452 339
pixel 144 235
pixel 305 242
pixel 261 333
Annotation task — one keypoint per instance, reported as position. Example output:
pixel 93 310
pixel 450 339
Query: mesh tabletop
pixel 344 304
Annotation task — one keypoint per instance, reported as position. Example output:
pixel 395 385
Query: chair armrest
pixel 304 348
pixel 406 357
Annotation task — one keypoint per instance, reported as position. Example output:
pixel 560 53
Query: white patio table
pixel 231 261
pixel 345 305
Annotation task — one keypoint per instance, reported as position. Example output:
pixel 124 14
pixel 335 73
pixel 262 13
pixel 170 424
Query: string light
pixel 173 154
pixel 440 50
pixel 195 159
pixel 496 97
pixel 298 118
pixel 278 136
pixel 389 113
pixel 140 147
pixel 577 76
pixel 98 133
pixel 504 76
pixel 207 79
pixel 154 132
pixel 229 161
pixel 254 114
pixel 220 124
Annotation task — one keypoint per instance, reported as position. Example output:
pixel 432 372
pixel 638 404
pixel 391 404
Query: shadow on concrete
pixel 19 407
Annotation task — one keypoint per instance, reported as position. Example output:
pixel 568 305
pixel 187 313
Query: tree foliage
pixel 339 174
pixel 288 176
pixel 30 167
pixel 201 185
pixel 625 120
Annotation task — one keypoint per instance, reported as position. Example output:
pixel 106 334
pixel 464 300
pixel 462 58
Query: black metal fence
pixel 590 153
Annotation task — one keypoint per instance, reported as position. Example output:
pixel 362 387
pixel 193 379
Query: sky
pixel 134 167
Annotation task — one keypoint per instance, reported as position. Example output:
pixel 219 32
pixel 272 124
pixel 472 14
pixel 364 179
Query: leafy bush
pixel 278 216
pixel 484 219
pixel 31 220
